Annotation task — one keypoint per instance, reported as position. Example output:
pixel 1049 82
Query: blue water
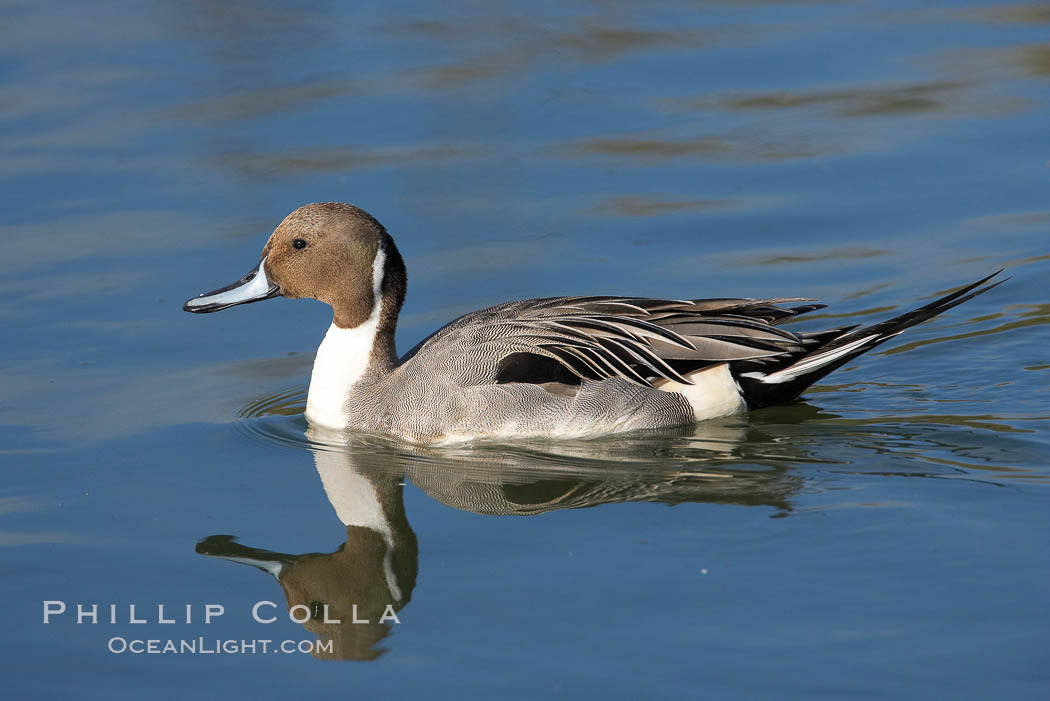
pixel 885 538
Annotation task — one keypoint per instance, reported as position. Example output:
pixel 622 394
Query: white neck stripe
pixel 378 271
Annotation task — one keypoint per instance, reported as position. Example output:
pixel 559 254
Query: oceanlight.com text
pixel 213 646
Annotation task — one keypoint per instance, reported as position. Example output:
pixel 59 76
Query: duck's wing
pixel 642 340
pixel 569 339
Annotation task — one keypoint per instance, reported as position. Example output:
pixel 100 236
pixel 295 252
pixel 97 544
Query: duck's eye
pixel 298 244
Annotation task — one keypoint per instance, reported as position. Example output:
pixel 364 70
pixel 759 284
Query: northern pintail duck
pixel 552 367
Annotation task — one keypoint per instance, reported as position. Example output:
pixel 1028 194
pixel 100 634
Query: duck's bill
pixel 253 287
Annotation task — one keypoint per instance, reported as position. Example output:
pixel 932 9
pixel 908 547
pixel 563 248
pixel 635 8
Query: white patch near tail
pixel 713 393
pixel 812 362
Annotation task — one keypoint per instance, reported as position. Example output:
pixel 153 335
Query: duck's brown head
pixel 333 252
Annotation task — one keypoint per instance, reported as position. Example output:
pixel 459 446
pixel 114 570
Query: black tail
pixel 837 347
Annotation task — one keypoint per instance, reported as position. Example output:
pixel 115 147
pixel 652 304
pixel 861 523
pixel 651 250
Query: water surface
pixel 887 537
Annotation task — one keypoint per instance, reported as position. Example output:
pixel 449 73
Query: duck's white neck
pixel 342 360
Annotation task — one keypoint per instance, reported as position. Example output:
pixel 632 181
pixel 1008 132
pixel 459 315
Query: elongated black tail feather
pixel 785 383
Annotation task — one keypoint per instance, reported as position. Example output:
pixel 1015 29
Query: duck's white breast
pixel 341 360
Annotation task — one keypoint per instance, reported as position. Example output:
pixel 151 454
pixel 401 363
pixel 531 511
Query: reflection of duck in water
pixel 369 577
pixel 375 569
pixel 491 480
